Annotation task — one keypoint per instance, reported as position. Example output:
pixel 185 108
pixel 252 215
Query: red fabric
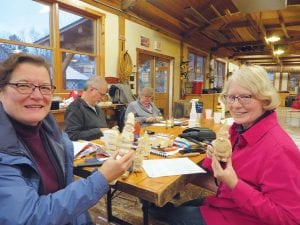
pixel 75 94
pixel 267 163
pixel 31 138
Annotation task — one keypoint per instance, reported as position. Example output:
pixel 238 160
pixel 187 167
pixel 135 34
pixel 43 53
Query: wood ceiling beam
pixel 264 58
pixel 218 13
pixel 295 57
pixel 159 13
pixel 236 24
pixel 291 64
pixel 287 24
pixel 253 27
pixel 251 54
pixel 267 64
pixel 188 20
pixel 217 36
pixel 256 56
pixel 264 32
pixel 259 61
pixel 283 27
pixel 240 44
pixel 197 15
pixel 127 4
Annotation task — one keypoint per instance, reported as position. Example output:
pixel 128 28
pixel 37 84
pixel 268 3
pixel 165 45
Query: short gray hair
pixel 94 81
pixel 147 90
pixel 255 79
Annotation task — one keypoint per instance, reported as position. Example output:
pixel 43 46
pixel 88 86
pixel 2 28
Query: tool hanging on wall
pixel 125 67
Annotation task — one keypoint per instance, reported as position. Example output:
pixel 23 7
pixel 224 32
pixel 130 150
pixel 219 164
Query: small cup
pixel 217 117
pixel 208 113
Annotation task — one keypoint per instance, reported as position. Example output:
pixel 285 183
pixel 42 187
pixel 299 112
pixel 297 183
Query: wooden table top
pixel 162 189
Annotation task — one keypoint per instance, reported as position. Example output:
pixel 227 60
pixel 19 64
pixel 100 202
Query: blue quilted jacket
pixel 20 201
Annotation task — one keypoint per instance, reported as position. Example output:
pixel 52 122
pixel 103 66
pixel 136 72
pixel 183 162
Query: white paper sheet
pixel 79 145
pixel 171 167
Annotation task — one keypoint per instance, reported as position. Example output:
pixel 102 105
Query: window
pixel 219 74
pixel 73 49
pixel 77 43
pixel 18 34
pixel 294 81
pixel 271 76
pixel 196 69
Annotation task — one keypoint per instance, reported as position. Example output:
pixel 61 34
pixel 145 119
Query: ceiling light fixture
pixel 278 51
pixel 273 39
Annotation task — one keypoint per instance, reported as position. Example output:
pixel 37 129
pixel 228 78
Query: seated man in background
pixel 144 110
pixel 84 120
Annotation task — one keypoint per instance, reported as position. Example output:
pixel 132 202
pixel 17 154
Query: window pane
pixel 271 76
pixel 76 32
pixel 219 74
pixel 191 70
pixel 144 71
pixel 24 21
pixel 200 69
pixel 294 82
pixel 76 70
pixel 161 76
pixel 196 67
pixel 8 49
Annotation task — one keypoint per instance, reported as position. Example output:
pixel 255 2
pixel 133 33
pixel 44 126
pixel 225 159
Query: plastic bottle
pixel 222 108
pixel 199 109
pixel 137 130
pixel 193 121
pixel 172 122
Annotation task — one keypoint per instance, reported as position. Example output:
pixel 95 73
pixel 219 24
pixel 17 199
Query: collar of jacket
pixel 254 133
pixel 11 145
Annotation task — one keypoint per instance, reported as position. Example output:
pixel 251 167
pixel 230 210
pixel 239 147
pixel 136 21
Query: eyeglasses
pixel 101 94
pixel 148 96
pixel 27 88
pixel 243 99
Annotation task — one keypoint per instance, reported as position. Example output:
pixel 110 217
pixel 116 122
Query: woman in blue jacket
pixel 36 158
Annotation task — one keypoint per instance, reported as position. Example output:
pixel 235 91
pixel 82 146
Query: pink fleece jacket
pixel 267 163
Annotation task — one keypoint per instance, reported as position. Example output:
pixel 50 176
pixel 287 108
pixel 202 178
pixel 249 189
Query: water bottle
pixel 199 109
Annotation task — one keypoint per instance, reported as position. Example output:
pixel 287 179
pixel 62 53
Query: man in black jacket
pixel 84 120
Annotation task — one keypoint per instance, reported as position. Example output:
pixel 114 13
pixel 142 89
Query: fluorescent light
pixel 273 39
pixel 278 51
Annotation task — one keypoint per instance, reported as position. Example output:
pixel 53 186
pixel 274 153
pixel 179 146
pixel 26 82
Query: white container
pixel 193 121
pixel 208 114
pixel 217 117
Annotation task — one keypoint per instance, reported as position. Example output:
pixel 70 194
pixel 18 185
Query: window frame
pixel 78 8
pixel 196 55
pixel 219 73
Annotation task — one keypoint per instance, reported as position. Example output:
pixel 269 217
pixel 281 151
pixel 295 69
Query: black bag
pixel 198 134
pixel 120 117
pixel 120 94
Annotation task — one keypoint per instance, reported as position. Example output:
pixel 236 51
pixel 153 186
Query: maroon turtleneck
pixel 31 137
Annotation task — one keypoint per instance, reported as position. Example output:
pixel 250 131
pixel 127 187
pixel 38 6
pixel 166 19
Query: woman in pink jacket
pixel 260 184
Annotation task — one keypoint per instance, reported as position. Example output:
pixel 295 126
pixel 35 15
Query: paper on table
pixel 160 125
pixel 163 123
pixel 171 167
pixel 79 145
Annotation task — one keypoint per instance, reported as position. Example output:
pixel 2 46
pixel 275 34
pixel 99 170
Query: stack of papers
pixel 171 167
pixel 164 123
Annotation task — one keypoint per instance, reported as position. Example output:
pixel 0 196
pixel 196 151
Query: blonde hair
pixel 255 79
